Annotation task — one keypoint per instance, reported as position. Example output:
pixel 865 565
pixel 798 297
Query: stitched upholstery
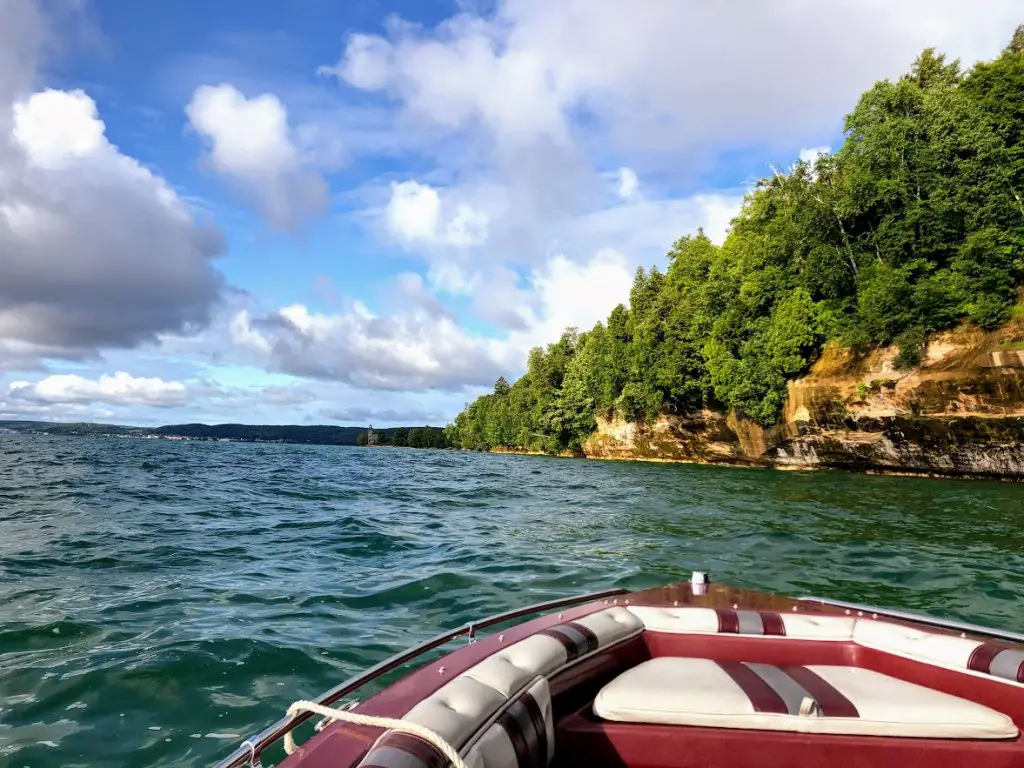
pixel 1001 662
pixel 509 670
pixel 800 626
pixel 812 699
pixel 456 711
pixel 974 656
pixel 499 711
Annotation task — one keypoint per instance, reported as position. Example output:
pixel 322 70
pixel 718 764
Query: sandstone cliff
pixel 960 413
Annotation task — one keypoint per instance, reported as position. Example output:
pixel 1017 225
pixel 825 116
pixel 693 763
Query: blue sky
pixel 323 212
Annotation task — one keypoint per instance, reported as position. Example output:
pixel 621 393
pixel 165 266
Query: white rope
pixel 426 734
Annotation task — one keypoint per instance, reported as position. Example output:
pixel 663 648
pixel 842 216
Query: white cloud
pixel 811 154
pixel 119 389
pixel 242 334
pixel 659 73
pixel 629 183
pixel 460 80
pixel 366 63
pixel 252 145
pixel 416 350
pixel 572 295
pixel 648 227
pixel 467 228
pixel 525 104
pixel 414 211
pixel 249 136
pixel 450 277
pixel 55 128
pixel 415 216
pixel 426 347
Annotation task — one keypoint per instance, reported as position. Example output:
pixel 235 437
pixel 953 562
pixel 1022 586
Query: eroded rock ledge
pixel 960 413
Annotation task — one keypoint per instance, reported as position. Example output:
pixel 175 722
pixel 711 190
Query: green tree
pixel 914 225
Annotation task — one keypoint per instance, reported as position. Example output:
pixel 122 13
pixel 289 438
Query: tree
pixel 914 225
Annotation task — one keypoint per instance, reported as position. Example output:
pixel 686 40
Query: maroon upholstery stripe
pixel 728 620
pixel 539 724
pixel 510 725
pixel 833 702
pixel 571 651
pixel 772 623
pixel 592 642
pixel 981 658
pixel 405 749
pixel 762 696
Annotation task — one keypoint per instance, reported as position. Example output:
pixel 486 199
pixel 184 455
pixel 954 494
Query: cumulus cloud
pixel 425 347
pixel 95 250
pixel 119 389
pixel 251 144
pixel 659 73
pixel 415 216
pixel 525 104
pixel 414 211
pixel 414 350
pixel 572 295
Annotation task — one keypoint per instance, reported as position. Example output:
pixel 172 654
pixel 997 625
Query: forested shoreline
pixel 409 437
pixel 915 225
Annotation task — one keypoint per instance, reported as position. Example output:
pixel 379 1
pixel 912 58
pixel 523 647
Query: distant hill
pixel 283 433
pixel 277 433
pixel 78 428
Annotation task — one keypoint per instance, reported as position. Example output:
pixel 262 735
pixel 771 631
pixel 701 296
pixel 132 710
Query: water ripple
pixel 160 601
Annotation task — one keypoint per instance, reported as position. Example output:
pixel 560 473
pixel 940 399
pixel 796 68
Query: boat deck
pixel 750 637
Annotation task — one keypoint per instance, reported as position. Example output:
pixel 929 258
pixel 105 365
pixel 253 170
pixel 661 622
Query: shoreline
pixel 892 472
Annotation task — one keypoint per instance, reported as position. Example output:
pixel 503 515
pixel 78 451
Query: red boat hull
pixel 582 738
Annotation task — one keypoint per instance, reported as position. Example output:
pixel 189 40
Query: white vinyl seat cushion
pixel 944 650
pixel 502 703
pixel 793 625
pixel 812 699
pixel 611 625
pixel 1000 663
pixel 457 710
pixel 508 670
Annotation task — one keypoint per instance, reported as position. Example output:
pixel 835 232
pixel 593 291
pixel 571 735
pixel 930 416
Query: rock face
pixel 960 413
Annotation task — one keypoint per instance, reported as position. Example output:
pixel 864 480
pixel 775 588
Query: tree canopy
pixel 914 225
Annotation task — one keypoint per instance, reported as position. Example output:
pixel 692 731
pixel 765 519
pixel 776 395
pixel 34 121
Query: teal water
pixel 161 601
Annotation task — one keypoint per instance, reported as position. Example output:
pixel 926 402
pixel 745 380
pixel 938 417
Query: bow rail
pixel 249 751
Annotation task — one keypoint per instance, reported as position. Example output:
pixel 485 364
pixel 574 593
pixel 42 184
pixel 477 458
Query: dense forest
pixel 914 225
pixel 410 437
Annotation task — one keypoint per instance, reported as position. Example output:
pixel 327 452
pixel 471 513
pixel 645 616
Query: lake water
pixel 161 601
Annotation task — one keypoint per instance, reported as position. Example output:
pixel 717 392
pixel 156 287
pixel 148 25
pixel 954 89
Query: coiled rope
pixel 355 718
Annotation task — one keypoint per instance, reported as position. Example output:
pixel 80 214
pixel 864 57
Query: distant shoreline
pixel 321 434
